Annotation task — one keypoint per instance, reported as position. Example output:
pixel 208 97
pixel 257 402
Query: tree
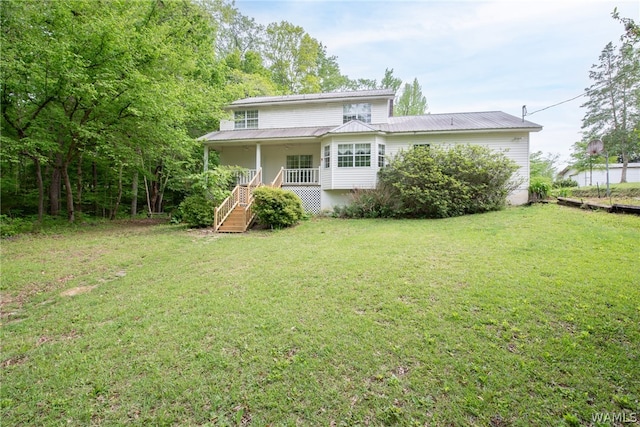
pixel 543 166
pixel 293 58
pixel 389 81
pixel 613 108
pixel 116 87
pixel 411 102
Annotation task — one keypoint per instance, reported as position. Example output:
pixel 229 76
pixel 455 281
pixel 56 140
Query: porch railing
pixel 301 176
pixel 242 195
pixel 245 177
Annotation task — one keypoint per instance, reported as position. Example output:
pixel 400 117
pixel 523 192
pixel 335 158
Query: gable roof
pixel 353 126
pixel 315 97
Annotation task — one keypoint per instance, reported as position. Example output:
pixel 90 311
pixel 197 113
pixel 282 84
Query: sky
pixel 470 55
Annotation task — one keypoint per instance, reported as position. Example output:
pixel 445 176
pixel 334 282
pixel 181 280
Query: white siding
pixel 308 115
pixel 599 176
pixel 333 198
pixel 350 177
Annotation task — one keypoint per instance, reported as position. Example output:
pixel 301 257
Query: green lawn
pixel 529 316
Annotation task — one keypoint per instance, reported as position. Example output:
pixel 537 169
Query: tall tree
pixel 104 85
pixel 389 81
pixel 613 108
pixel 412 102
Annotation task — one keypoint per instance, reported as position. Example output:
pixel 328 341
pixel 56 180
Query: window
pixel 381 159
pixel 327 156
pixel 350 155
pixel 360 112
pixel 300 161
pixel 246 119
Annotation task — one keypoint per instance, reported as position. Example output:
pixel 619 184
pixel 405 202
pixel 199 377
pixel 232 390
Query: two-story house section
pixel 325 145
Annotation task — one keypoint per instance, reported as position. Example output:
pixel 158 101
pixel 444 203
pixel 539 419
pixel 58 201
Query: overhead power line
pixel 524 107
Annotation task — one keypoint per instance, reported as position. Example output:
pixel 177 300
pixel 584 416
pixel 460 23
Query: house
pixel 323 146
pixel 598 174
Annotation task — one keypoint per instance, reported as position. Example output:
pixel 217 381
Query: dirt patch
pixel 77 291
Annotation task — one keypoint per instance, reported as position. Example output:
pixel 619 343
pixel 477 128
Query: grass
pixel 527 316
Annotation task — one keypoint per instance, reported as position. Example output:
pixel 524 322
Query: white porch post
pixel 258 156
pixel 206 158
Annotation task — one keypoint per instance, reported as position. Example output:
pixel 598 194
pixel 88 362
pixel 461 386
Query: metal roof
pixel 250 134
pixel 315 97
pixel 488 120
pixel 437 123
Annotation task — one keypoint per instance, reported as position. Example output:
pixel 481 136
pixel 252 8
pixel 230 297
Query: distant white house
pixel 325 145
pixel 598 176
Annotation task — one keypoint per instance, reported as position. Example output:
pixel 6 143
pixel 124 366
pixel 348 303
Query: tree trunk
pixel 36 163
pixel 134 194
pixel 146 188
pixel 114 212
pixel 94 184
pixel 625 163
pixel 78 204
pixel 69 192
pixel 55 187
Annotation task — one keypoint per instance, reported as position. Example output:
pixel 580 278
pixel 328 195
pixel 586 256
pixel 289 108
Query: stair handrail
pixel 277 181
pixel 225 208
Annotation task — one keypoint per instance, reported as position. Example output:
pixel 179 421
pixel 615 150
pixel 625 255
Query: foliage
pixel 206 191
pixel 366 203
pixel 277 208
pixel 541 165
pixel 470 320
pixel 116 88
pixel 12 226
pixel 197 211
pixel 539 188
pixel 564 183
pixel 613 108
pixel 434 182
pixel 411 102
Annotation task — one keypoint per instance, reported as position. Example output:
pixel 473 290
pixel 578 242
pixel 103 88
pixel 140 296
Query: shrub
pixel 12 226
pixel 277 208
pixel 565 183
pixel 539 189
pixel 374 203
pixel 197 211
pixel 206 191
pixel 433 182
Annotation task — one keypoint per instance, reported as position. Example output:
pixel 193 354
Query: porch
pixel 235 214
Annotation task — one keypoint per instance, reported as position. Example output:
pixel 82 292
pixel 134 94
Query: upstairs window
pixel 246 119
pixel 360 112
pixel 354 155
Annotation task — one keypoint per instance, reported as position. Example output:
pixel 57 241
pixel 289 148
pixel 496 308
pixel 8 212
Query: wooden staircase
pixel 236 221
pixel 235 214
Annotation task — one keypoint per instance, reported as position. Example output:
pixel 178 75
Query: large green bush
pixel 277 208
pixel 435 182
pixel 206 191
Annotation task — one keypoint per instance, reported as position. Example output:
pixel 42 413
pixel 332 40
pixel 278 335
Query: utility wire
pixel 555 105
pixel 561 102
